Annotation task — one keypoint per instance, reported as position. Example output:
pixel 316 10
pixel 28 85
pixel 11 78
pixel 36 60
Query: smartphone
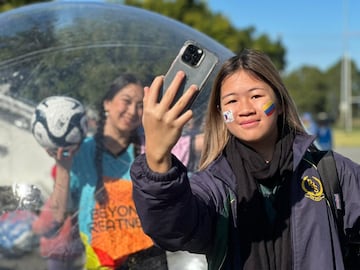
pixel 197 62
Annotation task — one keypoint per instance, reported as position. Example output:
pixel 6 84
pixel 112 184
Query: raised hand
pixel 163 124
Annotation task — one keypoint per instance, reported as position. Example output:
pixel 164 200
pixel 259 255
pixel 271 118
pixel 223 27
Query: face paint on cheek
pixel 228 116
pixel 269 108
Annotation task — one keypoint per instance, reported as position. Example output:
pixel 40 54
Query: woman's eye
pixel 127 101
pixel 255 96
pixel 230 101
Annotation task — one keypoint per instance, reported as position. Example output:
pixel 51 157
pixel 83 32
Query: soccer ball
pixel 59 121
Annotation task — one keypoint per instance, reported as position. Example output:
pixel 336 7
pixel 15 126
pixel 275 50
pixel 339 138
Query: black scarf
pixel 263 224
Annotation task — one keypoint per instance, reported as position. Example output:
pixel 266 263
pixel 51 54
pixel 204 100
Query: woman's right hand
pixel 63 156
pixel 163 124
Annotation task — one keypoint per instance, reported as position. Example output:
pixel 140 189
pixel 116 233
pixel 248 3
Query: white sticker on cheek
pixel 228 116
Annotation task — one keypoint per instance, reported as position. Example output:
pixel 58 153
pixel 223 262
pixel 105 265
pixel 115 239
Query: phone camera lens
pixel 186 57
pixel 192 48
pixel 192 55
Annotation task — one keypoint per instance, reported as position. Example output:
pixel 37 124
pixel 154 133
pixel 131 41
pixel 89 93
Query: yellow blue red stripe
pixel 269 108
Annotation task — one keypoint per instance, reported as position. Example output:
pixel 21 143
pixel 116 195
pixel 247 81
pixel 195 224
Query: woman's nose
pixel 245 107
pixel 132 109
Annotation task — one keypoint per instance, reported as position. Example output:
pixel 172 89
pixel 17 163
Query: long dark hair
pixel 116 86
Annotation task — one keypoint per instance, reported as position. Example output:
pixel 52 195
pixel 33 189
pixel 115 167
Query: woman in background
pixel 96 180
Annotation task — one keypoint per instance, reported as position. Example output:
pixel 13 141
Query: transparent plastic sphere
pixel 77 49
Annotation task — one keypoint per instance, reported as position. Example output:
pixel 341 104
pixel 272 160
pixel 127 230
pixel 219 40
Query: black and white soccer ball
pixel 59 121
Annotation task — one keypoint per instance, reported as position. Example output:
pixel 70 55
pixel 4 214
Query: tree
pixel 308 87
pixel 313 90
pixel 79 58
pixel 6 5
pixel 197 14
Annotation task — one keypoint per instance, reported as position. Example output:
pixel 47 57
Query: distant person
pixel 309 123
pixel 324 136
pixel 256 201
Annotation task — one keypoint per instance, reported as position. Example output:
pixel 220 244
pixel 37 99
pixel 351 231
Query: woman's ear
pixel 106 105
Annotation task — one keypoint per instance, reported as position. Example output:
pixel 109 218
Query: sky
pixel 314 32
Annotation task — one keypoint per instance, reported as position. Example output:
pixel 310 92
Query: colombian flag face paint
pixel 269 108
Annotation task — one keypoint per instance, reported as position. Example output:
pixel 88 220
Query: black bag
pixel 350 240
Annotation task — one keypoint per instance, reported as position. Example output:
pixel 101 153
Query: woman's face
pixel 250 109
pixel 125 109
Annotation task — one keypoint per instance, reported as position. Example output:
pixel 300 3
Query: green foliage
pixel 6 5
pixel 197 15
pixel 78 59
pixel 313 90
pixel 319 91
pixel 307 87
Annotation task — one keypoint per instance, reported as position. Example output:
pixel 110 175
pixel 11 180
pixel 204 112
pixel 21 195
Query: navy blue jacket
pixel 196 214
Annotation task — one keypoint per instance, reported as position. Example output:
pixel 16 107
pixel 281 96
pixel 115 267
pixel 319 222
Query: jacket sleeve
pixel 175 214
pixel 349 176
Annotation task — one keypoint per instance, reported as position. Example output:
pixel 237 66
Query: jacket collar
pixel 221 169
pixel 300 146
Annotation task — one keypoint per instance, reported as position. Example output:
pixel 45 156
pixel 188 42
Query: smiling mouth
pixel 130 120
pixel 249 122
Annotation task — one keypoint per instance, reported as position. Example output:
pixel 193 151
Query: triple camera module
pixel 192 55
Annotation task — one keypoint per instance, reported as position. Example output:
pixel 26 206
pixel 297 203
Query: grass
pixel 346 139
